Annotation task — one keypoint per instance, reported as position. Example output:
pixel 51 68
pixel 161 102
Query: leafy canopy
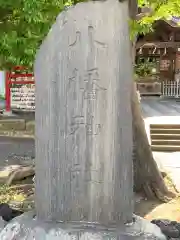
pixel 24 24
pixel 161 9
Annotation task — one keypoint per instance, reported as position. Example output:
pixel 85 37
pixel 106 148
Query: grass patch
pixel 8 194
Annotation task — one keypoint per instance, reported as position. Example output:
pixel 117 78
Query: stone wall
pixel 13 126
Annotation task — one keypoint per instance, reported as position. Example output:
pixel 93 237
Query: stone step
pixel 164 126
pixel 165 148
pixel 164 131
pixel 164 142
pixel 155 136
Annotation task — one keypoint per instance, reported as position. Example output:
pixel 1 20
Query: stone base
pixel 27 227
pixel 2 224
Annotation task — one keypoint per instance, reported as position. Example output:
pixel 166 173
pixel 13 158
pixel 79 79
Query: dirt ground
pixel 155 209
pixel 145 208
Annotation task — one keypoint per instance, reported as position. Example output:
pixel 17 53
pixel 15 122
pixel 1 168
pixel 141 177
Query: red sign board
pixel 18 76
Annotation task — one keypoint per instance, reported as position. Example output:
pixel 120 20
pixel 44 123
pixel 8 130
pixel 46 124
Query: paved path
pixel 167 110
pixel 13 150
pixel 156 107
pixel 170 163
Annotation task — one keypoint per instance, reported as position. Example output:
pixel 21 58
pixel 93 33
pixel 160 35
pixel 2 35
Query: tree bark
pixel 147 177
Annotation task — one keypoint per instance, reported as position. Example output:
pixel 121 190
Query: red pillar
pixel 7 93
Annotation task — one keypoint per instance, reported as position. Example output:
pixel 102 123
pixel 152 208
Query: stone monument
pixel 83 117
pixel 83 78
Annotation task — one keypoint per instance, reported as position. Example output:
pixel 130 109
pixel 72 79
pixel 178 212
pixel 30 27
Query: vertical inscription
pixel 90 126
pixel 94 46
pixel 74 175
pixel 92 39
pixel 88 84
pixel 84 86
pixel 92 84
pixel 90 87
pixel 76 123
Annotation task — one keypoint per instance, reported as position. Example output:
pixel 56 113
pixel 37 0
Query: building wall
pixel 177 66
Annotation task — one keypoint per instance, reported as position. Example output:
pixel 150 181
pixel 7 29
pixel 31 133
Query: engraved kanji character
pixel 91 128
pixel 77 122
pixel 92 86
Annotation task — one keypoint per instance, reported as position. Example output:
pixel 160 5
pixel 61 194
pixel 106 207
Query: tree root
pixel 152 191
pixel 20 173
pixel 147 177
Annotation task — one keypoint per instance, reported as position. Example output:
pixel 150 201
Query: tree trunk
pixel 147 177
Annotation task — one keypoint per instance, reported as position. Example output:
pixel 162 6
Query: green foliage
pixel 161 9
pixel 145 68
pixel 25 23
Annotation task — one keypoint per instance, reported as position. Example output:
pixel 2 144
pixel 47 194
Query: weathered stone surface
pixel 83 76
pixel 26 227
pixel 2 224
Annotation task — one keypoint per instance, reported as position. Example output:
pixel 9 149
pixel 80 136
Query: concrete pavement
pixel 156 110
pixel 170 163
pixel 15 150
pixel 158 107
